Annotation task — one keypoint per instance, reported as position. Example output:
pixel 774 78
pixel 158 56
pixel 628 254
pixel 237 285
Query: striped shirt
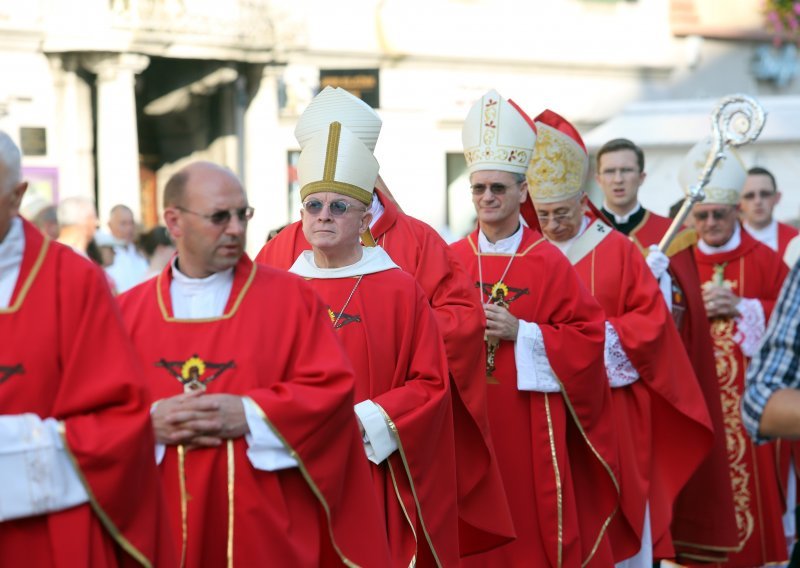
pixel 776 365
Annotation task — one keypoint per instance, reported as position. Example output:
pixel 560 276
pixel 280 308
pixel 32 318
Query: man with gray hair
pixel 130 266
pixel 75 435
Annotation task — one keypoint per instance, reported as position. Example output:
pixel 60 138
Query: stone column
pixel 117 136
pixel 265 160
pixel 72 137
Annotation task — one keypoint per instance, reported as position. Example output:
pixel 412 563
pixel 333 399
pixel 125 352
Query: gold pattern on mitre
pixel 726 180
pixel 558 168
pixel 337 104
pixel 495 136
pixel 335 160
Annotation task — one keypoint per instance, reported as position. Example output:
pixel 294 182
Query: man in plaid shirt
pixel 771 403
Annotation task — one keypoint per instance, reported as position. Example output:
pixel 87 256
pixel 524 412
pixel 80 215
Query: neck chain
pixel 480 273
pixel 353 291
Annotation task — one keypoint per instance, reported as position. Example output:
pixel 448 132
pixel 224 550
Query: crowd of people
pixel 555 389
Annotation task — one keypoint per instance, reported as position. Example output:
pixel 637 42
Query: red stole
pixel 657 414
pixel 557 451
pixel 485 521
pixel 703 525
pixel 65 355
pixel 752 270
pixel 389 333
pixel 294 369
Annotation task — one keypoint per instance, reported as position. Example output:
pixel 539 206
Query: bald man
pixel 253 397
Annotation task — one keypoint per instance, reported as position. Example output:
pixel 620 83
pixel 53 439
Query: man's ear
pixel 17 192
pixel 172 221
pixel 366 219
pixel 778 197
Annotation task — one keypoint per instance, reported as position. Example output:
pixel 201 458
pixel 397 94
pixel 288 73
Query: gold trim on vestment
pixel 701 558
pixel 23 292
pixel 706 546
pixel 106 521
pixel 605 465
pixel 231 484
pixel 307 476
pixel 181 449
pixel 405 512
pixel 168 318
pixel 559 498
pixel 393 428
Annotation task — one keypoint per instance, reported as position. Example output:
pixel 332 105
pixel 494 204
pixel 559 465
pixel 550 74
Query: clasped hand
pixel 198 419
pixel 500 323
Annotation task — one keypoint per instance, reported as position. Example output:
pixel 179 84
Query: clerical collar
pixel 376 208
pixel 768 235
pixel 733 243
pixel 509 245
pixel 199 298
pixel 12 249
pixel 373 259
pixel 564 246
pixel 625 223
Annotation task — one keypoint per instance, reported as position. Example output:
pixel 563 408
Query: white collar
pixel 189 284
pixel 373 259
pixel 376 208
pixel 622 219
pixel 733 243
pixel 564 246
pixel 508 245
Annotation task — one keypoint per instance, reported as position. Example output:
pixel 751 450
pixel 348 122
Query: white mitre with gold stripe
pixel 560 161
pixel 726 180
pixel 496 136
pixel 338 105
pixel 335 160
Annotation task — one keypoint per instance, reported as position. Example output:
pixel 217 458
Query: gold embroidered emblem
pixel 191 373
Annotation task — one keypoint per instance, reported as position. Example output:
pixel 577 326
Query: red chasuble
pixel 64 354
pixel 557 451
pixel 484 518
pixel 785 234
pixel 274 345
pixel 662 422
pixel 752 270
pixel 391 337
pixel 703 523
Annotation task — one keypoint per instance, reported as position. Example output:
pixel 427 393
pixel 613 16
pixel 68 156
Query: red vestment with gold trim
pixel 557 451
pixel 662 421
pixel 65 354
pixel 703 524
pixel 274 344
pixel 484 518
pixel 392 339
pixel 752 270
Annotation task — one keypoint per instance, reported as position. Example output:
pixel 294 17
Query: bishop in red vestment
pixel 740 280
pixel 549 401
pixel 658 405
pixel 417 249
pixel 263 461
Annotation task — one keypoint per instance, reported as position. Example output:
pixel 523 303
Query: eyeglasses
pixel 763 194
pixel 717 214
pixel 623 172
pixel 222 217
pixel 560 218
pixel 337 208
pixel 495 188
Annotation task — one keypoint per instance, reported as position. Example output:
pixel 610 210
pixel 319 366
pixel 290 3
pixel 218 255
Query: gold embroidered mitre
pixel 335 160
pixel 726 181
pixel 338 105
pixel 496 136
pixel 560 162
